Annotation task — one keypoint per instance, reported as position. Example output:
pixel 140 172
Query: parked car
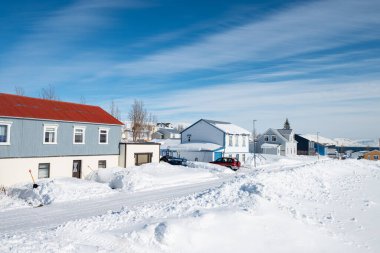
pixel 174 160
pixel 231 163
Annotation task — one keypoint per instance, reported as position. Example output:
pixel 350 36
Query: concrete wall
pixel 16 170
pixel 128 151
pixel 26 139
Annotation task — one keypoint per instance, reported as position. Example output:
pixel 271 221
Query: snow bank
pixel 152 176
pixel 58 190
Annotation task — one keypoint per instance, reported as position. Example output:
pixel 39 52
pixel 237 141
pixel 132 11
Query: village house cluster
pixel 60 139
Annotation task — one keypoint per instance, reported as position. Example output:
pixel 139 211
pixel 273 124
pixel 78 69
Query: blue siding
pixel 27 139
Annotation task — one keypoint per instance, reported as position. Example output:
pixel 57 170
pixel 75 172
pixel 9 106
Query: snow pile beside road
pixel 213 168
pixel 150 176
pixel 58 190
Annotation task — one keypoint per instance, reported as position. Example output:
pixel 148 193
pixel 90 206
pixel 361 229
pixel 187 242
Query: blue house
pixel 54 139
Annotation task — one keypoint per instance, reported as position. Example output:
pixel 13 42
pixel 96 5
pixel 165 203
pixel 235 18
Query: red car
pixel 231 163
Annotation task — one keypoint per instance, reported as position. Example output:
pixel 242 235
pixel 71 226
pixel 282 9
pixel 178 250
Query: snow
pixel 231 128
pixel 286 204
pixel 319 139
pixel 344 142
pixel 57 190
pixel 152 176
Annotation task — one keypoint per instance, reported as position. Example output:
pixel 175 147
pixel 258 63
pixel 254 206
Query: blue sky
pixel 315 62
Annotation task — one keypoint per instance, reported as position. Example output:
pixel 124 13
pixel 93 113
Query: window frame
pixel 237 140
pixel 273 138
pixel 8 124
pixel 55 127
pixel 107 135
pixel 376 157
pixel 230 140
pixel 105 164
pixel 244 141
pixel 266 138
pixel 48 168
pixel 83 128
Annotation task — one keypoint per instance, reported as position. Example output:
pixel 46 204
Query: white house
pixel 208 140
pixel 277 142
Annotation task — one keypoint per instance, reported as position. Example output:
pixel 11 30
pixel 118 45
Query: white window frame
pixel 83 128
pixel 230 142
pixel 8 124
pixel 236 140
pixel 274 138
pixel 266 137
pixel 107 132
pixel 244 141
pixel 55 126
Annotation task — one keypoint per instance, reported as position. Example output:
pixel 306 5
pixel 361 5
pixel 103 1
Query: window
pixel 230 140
pixel 5 130
pixel 43 170
pixel 79 135
pixel 266 138
pixel 274 138
pixel 189 137
pixel 237 157
pixel 244 141
pixel 102 164
pixel 243 157
pixel 103 135
pixel 375 157
pixel 50 134
pixel 236 140
pixel 143 158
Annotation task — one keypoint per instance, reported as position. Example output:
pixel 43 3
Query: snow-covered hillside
pixel 282 206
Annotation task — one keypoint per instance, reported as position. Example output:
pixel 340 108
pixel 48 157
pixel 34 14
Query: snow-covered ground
pixel 294 204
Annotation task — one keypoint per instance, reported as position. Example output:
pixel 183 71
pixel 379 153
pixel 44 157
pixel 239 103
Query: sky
pixel 314 62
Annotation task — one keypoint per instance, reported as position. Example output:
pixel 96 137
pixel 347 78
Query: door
pixel 77 168
pixel 217 155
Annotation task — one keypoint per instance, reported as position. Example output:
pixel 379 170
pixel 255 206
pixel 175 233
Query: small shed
pixel 135 154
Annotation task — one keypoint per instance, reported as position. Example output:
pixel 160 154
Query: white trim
pixel 107 131
pixel 55 126
pixel 8 124
pixel 83 133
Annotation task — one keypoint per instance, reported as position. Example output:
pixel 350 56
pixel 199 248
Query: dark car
pixel 174 160
pixel 231 163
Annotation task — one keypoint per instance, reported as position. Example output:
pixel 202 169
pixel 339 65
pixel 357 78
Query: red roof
pixel 36 108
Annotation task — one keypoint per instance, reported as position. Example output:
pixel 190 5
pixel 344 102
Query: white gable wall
pixel 203 132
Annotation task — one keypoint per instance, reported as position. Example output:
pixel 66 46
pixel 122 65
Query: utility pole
pixel 318 144
pixel 254 143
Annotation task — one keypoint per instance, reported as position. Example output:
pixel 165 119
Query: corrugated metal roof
pixel 36 108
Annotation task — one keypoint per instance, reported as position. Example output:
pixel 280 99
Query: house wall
pixel 234 148
pixel 372 155
pixel 261 141
pixel 16 170
pixel 27 139
pixel 200 156
pixel 203 132
pixel 128 151
pixel 271 151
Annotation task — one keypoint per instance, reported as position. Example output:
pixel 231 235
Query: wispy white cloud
pixel 39 57
pixel 312 26
pixel 312 105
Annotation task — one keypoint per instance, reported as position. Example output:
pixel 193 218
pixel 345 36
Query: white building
pixel 277 142
pixel 208 140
